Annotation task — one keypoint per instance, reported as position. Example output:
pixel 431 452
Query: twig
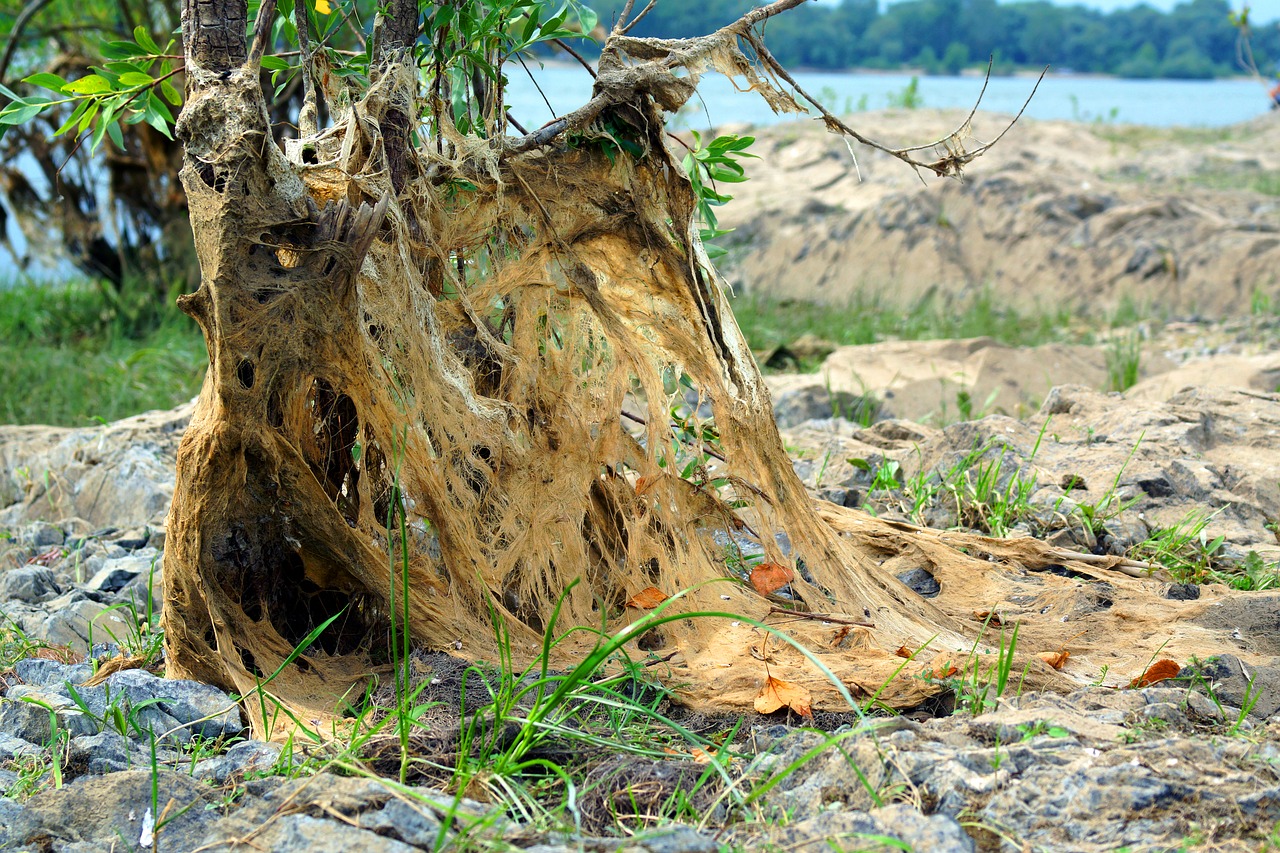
pixel 622 29
pixel 820 617
pixel 15 33
pixel 706 448
pixel 567 48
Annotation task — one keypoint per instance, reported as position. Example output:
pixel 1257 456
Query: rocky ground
pixel 1176 482
pixel 96 759
pixel 1085 216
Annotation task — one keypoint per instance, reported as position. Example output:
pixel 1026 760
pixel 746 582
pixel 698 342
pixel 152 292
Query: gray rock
pixel 76 621
pixel 105 752
pixel 299 833
pixel 921 582
pixel 182 708
pixel 247 756
pixel 1233 682
pixel 401 820
pixel 48 673
pixel 43 535
pixel 32 584
pixel 11 747
pixel 115 574
pixel 98 811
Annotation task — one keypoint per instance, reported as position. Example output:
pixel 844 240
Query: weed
pixel 978 691
pixel 1185 549
pixel 1124 360
pixel 908 98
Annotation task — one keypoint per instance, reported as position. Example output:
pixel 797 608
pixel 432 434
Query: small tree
pixel 431 341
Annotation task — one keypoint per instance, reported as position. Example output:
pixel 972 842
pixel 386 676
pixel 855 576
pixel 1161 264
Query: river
pixel 1202 103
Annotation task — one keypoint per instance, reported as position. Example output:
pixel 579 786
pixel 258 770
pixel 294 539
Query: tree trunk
pixel 419 361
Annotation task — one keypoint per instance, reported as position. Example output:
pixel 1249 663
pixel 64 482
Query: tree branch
pixel 15 34
pixel 213 33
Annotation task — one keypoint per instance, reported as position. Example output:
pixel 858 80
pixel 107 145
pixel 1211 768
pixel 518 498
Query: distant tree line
pixel 1195 40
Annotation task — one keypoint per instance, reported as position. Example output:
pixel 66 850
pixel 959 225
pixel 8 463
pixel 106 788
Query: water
pixel 1206 103
pixel 1162 103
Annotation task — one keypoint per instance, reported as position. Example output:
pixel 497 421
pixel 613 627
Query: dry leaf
pixel 990 617
pixel 700 756
pixel 777 693
pixel 1055 659
pixel 839 635
pixel 903 652
pixel 647 598
pixel 644 484
pixel 1161 670
pixel 770 577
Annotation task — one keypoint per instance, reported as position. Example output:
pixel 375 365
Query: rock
pixel 403 821
pixel 32 584
pixel 921 582
pixel 100 811
pixel 102 753
pixel 42 672
pixel 121 472
pixel 816 401
pixel 182 708
pixel 939 381
pixel 244 757
pixel 43 535
pixel 300 833
pixel 12 746
pixel 1232 682
pixel 115 574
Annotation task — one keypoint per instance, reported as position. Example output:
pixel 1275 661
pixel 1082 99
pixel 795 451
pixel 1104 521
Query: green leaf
pixel 20 113
pixel 171 93
pixel 121 50
pixel 73 119
pixel 142 37
pixel 46 80
pixel 117 136
pixel 274 63
pixel 588 19
pixel 136 78
pixel 93 84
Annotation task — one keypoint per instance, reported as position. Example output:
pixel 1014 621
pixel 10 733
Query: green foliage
pixel 709 165
pixel 75 354
pixel 768 322
pixel 1195 39
pixel 133 85
pixel 909 98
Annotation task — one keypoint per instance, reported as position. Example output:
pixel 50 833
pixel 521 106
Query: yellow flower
pixel 323 7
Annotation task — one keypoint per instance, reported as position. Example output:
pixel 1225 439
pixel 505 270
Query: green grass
pixel 73 354
pixel 769 323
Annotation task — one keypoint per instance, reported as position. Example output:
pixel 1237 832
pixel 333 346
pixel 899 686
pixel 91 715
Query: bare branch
pixel 262 31
pixel 15 34
pixel 308 116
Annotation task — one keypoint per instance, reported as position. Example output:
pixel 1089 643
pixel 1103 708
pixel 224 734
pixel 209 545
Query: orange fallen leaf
pixel 770 577
pixel 839 635
pixel 777 693
pixel 700 756
pixel 647 598
pixel 644 484
pixel 1161 670
pixel 990 617
pixel 903 652
pixel 1055 659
